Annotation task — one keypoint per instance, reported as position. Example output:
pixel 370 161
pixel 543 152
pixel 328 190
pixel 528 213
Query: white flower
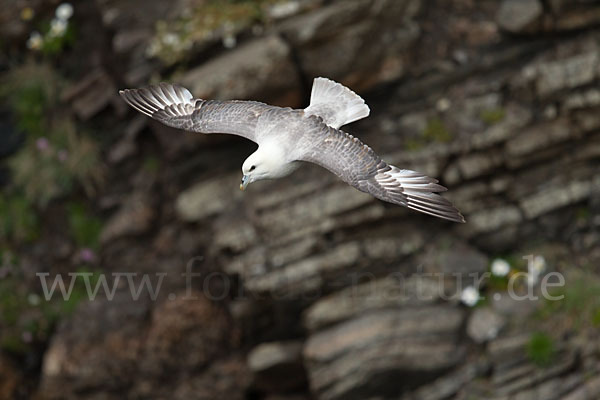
pixel 58 27
pixel 153 49
pixel 170 39
pixel 500 267
pixel 470 296
pixel 535 268
pixel 229 41
pixel 283 10
pixel 539 264
pixel 532 279
pixel 443 104
pixel 64 11
pixel 33 299
pixel 35 41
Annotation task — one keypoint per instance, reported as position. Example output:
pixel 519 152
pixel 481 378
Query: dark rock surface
pixel 385 351
pixel 278 366
pixel 307 288
pixel 117 342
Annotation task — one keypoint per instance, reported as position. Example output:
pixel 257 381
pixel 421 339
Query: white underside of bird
pixel 288 137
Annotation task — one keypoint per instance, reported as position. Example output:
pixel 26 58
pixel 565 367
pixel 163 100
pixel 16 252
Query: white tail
pixel 335 103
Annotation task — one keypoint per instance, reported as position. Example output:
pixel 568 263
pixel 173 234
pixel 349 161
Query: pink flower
pixel 5 270
pixel 87 255
pixel 42 144
pixel 62 155
pixel 27 337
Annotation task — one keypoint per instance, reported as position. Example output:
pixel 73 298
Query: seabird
pixel 288 137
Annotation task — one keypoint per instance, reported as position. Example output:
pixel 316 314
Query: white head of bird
pixel 267 162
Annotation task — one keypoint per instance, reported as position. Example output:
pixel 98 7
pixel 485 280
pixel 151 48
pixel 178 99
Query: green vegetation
pixel 498 282
pixel 47 168
pixel 79 293
pixel 493 116
pixel 17 221
pixel 434 132
pixel 541 349
pixel 29 91
pixel 54 158
pixel 213 19
pixel 596 318
pixel 84 227
pixel 413 144
pixel 583 214
pixel 27 318
pixel 580 304
pixel 54 44
pixel 24 318
pixel 55 155
pixel 151 164
pixel 56 33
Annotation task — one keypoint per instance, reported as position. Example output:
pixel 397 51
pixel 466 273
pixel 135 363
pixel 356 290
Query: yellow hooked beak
pixel 245 182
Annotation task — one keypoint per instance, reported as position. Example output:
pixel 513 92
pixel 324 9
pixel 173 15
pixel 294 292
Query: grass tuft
pixel 493 116
pixel 541 349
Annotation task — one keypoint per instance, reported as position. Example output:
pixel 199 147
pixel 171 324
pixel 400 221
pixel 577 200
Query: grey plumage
pixel 300 135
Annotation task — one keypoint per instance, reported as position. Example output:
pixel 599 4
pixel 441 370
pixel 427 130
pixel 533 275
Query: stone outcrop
pixel 386 351
pixel 115 343
pixel 278 366
pixel 259 70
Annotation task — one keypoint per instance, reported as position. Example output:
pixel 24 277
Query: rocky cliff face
pixel 307 288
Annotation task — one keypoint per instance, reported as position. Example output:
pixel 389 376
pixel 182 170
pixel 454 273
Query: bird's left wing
pixel 358 165
pixel 174 106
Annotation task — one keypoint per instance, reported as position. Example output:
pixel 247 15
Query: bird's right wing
pixel 359 166
pixel 174 106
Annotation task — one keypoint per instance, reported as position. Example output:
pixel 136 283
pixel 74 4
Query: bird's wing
pixel 174 105
pixel 358 165
pixel 335 103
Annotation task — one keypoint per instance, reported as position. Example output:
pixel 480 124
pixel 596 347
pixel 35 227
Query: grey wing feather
pixel 358 165
pixel 174 106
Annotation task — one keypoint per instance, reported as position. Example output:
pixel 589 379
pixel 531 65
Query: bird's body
pixel 288 137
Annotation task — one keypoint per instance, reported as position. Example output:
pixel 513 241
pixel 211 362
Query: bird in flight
pixel 288 137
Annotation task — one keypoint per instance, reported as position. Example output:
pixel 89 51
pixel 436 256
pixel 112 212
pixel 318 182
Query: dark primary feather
pixel 358 165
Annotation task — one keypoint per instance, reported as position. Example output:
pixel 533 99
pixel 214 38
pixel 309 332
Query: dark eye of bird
pixel 252 168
